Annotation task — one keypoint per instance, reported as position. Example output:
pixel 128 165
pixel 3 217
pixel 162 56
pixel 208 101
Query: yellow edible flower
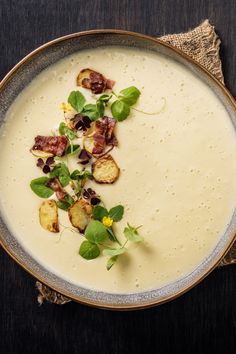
pixel 66 107
pixel 107 221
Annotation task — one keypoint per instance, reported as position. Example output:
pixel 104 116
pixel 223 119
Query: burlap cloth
pixel 202 44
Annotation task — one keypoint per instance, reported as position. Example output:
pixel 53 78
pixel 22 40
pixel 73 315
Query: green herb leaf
pixel 101 103
pixel 120 110
pixel 112 236
pixel 64 130
pixel 131 233
pixel 91 111
pixel 77 187
pixel 111 261
pixel 76 100
pixel 89 250
pixel 61 171
pixel 114 251
pixel 79 175
pixel 68 198
pixel 117 213
pixel 39 187
pixel 100 107
pixel 72 149
pixel 99 212
pixel 129 95
pixel 63 205
pixel 96 232
pixel 105 98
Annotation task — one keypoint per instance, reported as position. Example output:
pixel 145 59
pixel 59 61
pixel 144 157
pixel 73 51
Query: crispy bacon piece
pixel 94 81
pixel 110 84
pixel 56 186
pixel 104 134
pixel 55 145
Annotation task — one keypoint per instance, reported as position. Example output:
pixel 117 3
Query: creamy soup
pixel 177 180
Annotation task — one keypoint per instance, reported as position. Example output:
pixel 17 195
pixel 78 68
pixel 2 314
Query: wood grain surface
pixel 201 321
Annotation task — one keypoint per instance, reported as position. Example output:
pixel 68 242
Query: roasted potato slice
pixel 88 141
pixel 48 216
pixel 84 74
pixel 80 214
pixel 42 154
pixel 105 170
pixel 88 144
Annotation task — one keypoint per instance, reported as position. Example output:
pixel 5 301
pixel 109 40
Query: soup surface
pixel 178 170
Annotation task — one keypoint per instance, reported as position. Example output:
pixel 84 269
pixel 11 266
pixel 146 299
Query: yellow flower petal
pixel 66 107
pixel 107 221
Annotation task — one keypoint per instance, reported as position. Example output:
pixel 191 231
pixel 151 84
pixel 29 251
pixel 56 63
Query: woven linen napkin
pixel 203 45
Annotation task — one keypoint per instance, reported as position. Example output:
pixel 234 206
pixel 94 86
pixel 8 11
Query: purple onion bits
pixel 94 201
pixel 82 123
pixel 50 161
pixel 46 169
pixel 91 191
pixel 84 157
pixel 40 163
pixel 90 195
pixel 86 194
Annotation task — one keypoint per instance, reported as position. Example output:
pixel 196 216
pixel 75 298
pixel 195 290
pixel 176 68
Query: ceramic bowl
pixel 18 78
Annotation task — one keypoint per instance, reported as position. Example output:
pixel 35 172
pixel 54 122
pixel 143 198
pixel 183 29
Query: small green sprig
pixel 64 130
pixel 120 108
pixel 98 232
pixel 76 179
pixel 39 186
pixel 131 234
pixel 62 172
pixel 108 218
pixel 77 100
pixel 71 135
pixel 66 203
pixel 95 234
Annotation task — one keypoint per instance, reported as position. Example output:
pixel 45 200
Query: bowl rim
pixel 232 102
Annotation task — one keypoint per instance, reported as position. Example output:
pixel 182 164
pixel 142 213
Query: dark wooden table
pixel 204 319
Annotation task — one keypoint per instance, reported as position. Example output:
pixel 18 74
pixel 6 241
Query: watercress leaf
pixel 73 149
pixel 87 174
pixel 76 100
pixel 111 261
pixel 63 205
pixel 90 110
pixel 96 232
pixel 75 174
pixel 68 198
pixel 79 175
pixel 39 187
pixel 129 95
pixel 114 251
pixel 131 233
pixel 105 98
pixel 90 107
pixel 77 187
pixel 99 212
pixel 111 235
pixel 116 213
pixel 64 130
pixel 120 110
pixel 61 171
pixel 61 129
pixel 100 108
pixel 89 250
